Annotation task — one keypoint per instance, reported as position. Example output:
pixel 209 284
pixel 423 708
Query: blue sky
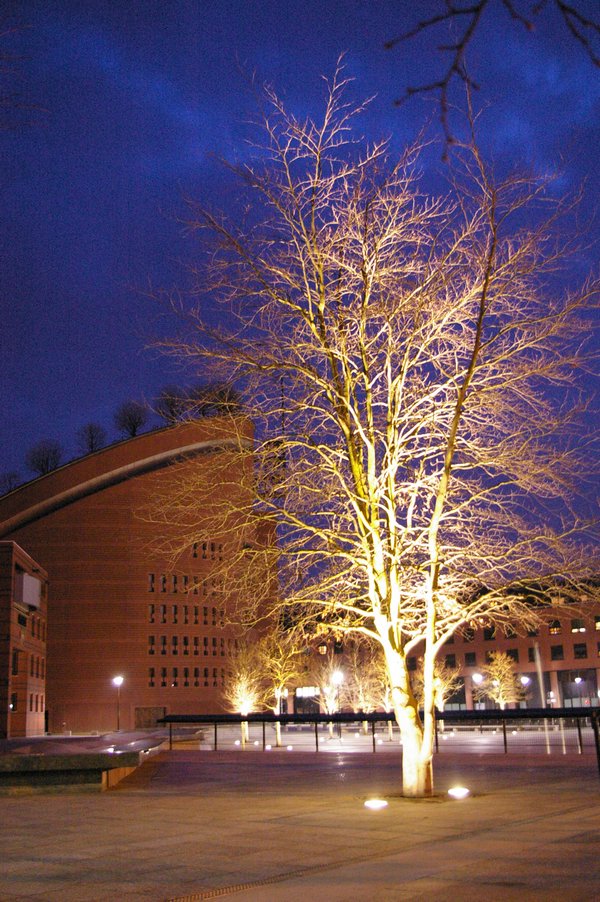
pixel 132 103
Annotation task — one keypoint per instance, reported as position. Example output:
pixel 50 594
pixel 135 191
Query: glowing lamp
pixel 458 792
pixel 376 804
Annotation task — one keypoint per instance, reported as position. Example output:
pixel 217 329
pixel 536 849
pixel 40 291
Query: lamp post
pixel 578 681
pixel 337 678
pixel 118 682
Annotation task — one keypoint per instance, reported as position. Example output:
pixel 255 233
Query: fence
pixel 524 731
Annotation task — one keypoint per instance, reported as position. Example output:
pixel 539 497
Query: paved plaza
pixel 191 825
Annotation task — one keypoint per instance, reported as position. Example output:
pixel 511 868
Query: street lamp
pixel 578 681
pixel 118 682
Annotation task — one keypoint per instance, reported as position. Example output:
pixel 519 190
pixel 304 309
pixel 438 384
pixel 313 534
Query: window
pixel 22 621
pixel 597 624
pixel 14 701
pixel 195 549
pixel 533 633
pixel 31 665
pixel 531 655
pixel 31 701
pixel 151 677
pixel 186 645
pixel 556 653
pixel 204 550
pixel 580 650
pixel 151 613
pixel 215 676
pixel 15 661
pixel 174 583
pixel 206 676
pixel 174 613
pixel 214 646
pixel 489 633
pixel 174 645
pixel 598 649
pixel 554 628
pixel 196 676
pixel 577 625
pixel 196 613
pixel 195 589
pixel 509 632
pixel 186 676
pixel 196 645
pixel 205 616
pixel 175 680
pixel 163 583
pixel 163 676
pixel 206 645
pixel 468 634
pixel 322 649
pixel 222 648
pixel 151 645
pixel 513 653
pixel 186 614
pixel 450 660
pixel 163 613
pixel 163 645
pixel 214 616
pixel 450 641
pixel 151 582
pixel 470 659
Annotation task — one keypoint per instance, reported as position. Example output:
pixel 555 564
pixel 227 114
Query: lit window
pixel 555 628
pixel 577 625
pixel 597 624
pixel 322 649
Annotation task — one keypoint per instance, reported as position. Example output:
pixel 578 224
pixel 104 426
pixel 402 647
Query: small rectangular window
pixel 174 612
pixel 22 621
pixel 163 676
pixel 14 701
pixel 468 634
pixel 204 550
pixel 214 616
pixel 556 653
pixel 196 584
pixel 531 655
pixel 174 645
pixel 214 646
pixel 151 582
pixel 450 660
pixel 196 676
pixel 533 633
pixel 174 583
pixel 15 662
pixel 196 645
pixel 489 633
pixel 163 583
pixel 151 613
pixel 205 616
pixel 163 645
pixel 163 613
pixel 580 650
pixel 510 632
pixel 186 676
pixel 186 614
pixel 195 549
pixel 554 628
pixel 513 653
pixel 186 645
pixel 597 624
pixel 175 679
pixel 151 676
pixel 577 625
pixel 206 676
pixel 470 659
pixel 196 614
pixel 151 645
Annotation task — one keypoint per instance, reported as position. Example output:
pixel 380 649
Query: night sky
pixel 122 108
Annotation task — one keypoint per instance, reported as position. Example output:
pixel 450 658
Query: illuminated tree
pixel 411 371
pixel 500 683
pixel 281 665
pixel 327 674
pixel 244 687
pixel 362 686
pixel 446 680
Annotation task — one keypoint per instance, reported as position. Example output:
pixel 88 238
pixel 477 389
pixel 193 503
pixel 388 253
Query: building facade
pixel 23 596
pixel 116 606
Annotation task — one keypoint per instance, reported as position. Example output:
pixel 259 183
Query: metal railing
pixel 542 731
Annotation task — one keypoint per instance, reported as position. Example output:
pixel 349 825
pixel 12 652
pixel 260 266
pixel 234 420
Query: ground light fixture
pixel 376 804
pixel 458 792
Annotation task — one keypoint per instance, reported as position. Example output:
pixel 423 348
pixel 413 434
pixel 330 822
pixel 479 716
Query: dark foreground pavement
pixel 194 825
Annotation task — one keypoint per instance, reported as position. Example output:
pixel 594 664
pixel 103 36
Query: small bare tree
pixel 421 436
pixel 44 456
pixel 362 687
pixel 9 481
pixel 172 403
pixel 91 437
pixel 244 688
pixel 500 683
pixel 281 654
pixel 130 418
pixel 327 674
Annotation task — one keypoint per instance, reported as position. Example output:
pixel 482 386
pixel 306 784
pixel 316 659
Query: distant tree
pixel 91 437
pixel 44 456
pixel 500 683
pixel 172 403
pixel 467 19
pixel 362 688
pixel 446 680
pixel 9 481
pixel 326 673
pixel 214 399
pixel 131 417
pixel 281 664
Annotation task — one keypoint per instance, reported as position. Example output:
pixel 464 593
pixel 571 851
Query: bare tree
pixel 433 448
pixel 362 686
pixel 499 681
pixel 131 417
pixel 9 481
pixel 44 456
pixel 244 688
pixel 446 680
pixel 91 437
pixel 281 664
pixel 172 403
pixel 466 20
pixel 327 674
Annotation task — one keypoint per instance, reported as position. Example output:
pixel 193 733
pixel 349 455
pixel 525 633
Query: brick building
pixel 23 587
pixel 116 606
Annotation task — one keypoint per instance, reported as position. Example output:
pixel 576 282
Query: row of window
pixel 186 677
pixel 195 645
pixel 188 613
pixel 181 582
pixel 36 624
pixel 557 653
pixel 36 702
pixel 555 628
pixel 37 667
pixel 208 551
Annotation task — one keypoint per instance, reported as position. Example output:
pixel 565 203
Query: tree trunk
pixel 417 770
pixel 365 727
pixel 277 734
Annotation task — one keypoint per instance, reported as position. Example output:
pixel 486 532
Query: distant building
pixel 117 607
pixel 23 588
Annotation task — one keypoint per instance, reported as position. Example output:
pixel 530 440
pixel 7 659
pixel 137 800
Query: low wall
pixel 94 772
